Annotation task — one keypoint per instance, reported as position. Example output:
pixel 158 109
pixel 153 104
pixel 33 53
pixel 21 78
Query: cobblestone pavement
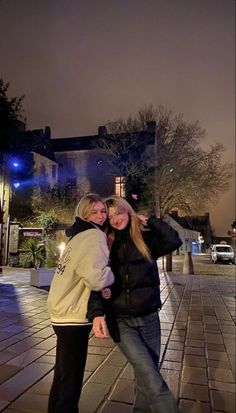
pixel 198 346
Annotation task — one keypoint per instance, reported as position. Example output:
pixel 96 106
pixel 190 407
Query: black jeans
pixel 71 354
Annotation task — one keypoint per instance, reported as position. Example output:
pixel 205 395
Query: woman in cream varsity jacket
pixel 82 268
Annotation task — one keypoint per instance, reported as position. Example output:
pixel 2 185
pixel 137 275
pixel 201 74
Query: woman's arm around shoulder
pixel 93 266
pixel 166 239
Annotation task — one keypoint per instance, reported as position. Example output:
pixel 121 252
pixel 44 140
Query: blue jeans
pixel 140 343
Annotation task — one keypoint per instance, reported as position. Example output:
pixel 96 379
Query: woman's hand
pixel 100 327
pixel 106 293
pixel 143 219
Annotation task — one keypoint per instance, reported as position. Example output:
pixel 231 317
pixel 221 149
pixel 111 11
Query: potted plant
pixel 34 256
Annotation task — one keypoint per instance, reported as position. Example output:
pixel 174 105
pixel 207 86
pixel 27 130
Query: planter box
pixel 41 277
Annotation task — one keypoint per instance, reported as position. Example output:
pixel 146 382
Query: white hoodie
pixel 82 268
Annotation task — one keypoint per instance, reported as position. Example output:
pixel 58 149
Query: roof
pixel 193 222
pixel 74 143
pixel 37 141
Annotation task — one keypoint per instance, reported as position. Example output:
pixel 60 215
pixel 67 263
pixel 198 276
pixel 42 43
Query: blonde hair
pixel 86 204
pixel 121 205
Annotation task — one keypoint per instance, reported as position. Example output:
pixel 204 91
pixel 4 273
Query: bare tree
pixel 172 166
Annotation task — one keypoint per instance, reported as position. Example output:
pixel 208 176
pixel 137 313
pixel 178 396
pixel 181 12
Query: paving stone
pixel 29 402
pixel 218 364
pixel 195 361
pixel 180 326
pixel 46 359
pixel 188 406
pixel 213 338
pixel 227 329
pixel 26 358
pixel 44 333
pixel 93 361
pixel 175 345
pixel 43 386
pixel 24 345
pixel 116 408
pixel 220 385
pixel 195 375
pixel 230 346
pixel 195 351
pixel 222 400
pixel 92 396
pixel 179 332
pixel 173 355
pixel 47 344
pixel 210 319
pixel 5 344
pixel 107 342
pixel 7 371
pixel 166 326
pixel 220 375
pixel 87 374
pixel 5 335
pixel 164 340
pixel 52 352
pixel 212 328
pixel 116 358
pixel 171 365
pixel 6 356
pixel 165 333
pixel 128 372
pixel 105 374
pixel 195 343
pixel 172 379
pixel 13 328
pixel 123 391
pixel 3 403
pixel 177 337
pixel 232 360
pixel 16 385
pixel 215 347
pixel 99 350
pixel 194 392
pixel 216 355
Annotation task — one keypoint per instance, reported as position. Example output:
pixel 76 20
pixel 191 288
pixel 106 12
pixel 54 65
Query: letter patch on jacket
pixel 63 261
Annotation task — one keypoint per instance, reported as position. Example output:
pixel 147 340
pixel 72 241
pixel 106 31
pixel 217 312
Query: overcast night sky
pixel 81 63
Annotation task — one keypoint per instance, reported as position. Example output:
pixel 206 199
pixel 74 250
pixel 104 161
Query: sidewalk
pixel 198 349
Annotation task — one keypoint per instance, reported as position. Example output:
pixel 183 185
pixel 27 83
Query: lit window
pixel 120 186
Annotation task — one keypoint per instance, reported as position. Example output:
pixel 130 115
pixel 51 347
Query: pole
pixel 157 193
pixel 1 211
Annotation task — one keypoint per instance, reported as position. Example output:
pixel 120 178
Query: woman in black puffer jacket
pixel 132 310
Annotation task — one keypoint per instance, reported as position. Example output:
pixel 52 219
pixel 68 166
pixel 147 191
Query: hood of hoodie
pixel 79 226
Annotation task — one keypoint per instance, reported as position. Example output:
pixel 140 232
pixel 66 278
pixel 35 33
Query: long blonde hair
pixel 86 204
pixel 121 205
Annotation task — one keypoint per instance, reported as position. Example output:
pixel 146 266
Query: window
pixel 54 171
pixel 120 186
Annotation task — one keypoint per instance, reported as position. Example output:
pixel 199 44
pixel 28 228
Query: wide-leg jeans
pixel 71 354
pixel 140 343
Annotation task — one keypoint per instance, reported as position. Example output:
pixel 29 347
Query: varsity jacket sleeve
pixel 165 238
pixel 93 268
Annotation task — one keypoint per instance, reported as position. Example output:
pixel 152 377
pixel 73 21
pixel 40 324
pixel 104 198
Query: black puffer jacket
pixel 136 291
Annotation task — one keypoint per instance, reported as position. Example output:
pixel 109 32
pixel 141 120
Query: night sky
pixel 81 63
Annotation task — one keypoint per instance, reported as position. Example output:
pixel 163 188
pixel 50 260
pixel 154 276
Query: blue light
pixel 16 184
pixel 15 164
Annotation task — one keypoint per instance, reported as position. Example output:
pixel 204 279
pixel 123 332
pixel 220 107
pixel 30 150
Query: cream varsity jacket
pixel 82 268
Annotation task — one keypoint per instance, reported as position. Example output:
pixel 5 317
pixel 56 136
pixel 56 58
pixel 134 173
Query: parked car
pixel 222 253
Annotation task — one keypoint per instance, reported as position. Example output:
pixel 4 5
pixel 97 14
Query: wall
pixel 88 170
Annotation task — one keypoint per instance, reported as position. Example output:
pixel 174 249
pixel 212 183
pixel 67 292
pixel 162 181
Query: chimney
pixel 102 131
